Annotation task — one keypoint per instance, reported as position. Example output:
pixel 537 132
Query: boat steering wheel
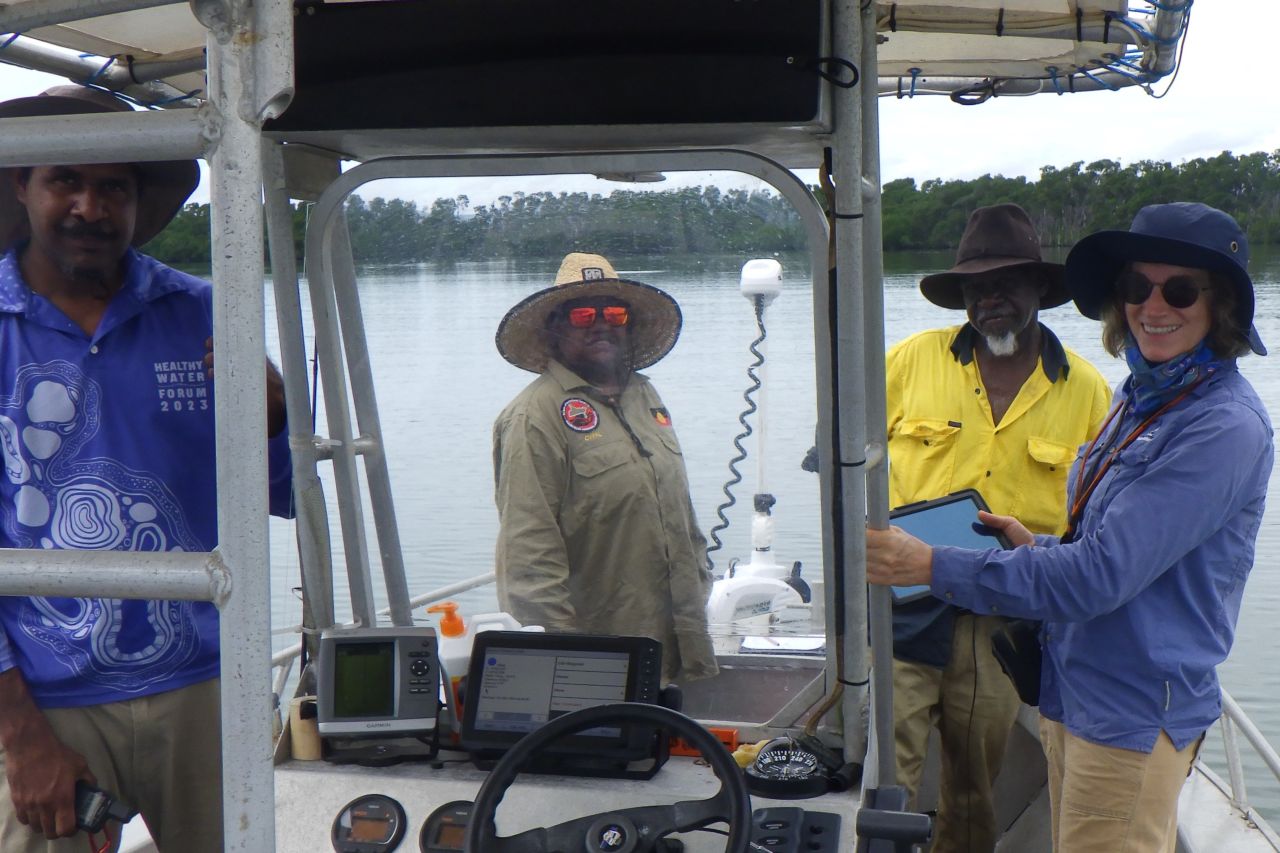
pixel 631 830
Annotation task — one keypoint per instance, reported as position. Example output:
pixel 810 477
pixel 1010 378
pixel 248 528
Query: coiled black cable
pixel 758 303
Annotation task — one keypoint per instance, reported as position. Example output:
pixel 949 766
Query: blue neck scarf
pixel 1150 386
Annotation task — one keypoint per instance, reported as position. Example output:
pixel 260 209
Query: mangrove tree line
pixel 1066 204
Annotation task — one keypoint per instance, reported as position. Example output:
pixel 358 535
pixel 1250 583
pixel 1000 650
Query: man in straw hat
pixel 996 404
pixel 106 407
pixel 598 533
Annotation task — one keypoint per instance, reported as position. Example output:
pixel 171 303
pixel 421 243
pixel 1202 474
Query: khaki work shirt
pixel 597 531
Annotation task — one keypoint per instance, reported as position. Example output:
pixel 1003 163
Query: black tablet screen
pixel 945 521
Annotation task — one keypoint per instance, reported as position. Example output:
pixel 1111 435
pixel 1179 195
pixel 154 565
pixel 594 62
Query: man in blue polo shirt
pixel 107 437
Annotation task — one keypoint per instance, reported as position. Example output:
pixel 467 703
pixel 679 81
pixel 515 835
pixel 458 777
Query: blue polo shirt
pixel 108 444
pixel 1141 608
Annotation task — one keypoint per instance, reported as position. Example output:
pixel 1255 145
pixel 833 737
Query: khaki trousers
pixel 973 705
pixel 1109 800
pixel 161 754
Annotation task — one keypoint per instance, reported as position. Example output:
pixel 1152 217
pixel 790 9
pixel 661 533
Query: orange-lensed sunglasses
pixel 614 315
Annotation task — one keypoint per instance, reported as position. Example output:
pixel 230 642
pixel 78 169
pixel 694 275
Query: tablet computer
pixel 519 680
pixel 948 520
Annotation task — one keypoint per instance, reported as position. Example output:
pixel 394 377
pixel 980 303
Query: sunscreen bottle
pixel 453 642
pixel 454 638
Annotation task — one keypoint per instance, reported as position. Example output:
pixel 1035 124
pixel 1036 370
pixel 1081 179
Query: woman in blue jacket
pixel 1140 597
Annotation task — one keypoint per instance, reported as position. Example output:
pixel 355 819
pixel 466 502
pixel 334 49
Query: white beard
pixel 1002 346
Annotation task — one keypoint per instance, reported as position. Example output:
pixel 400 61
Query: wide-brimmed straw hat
pixel 1184 234
pixel 655 316
pixel 997 237
pixel 165 185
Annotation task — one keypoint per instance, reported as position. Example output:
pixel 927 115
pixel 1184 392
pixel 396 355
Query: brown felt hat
pixel 655 316
pixel 996 237
pixel 166 184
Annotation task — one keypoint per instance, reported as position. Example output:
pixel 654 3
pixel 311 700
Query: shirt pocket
pixel 602 483
pixel 601 459
pixel 929 458
pixel 1054 456
pixel 1052 460
pixel 1127 467
pixel 669 441
pixel 1042 492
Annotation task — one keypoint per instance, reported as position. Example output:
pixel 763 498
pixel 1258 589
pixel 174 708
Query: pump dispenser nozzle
pixel 451 624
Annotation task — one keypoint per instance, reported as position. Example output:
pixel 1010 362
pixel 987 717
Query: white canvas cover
pixel 997 38
pixel 169 31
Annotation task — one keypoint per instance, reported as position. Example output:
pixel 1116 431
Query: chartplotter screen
pixel 520 689
pixel 519 681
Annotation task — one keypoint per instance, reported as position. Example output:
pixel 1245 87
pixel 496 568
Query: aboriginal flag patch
pixel 662 417
pixel 579 415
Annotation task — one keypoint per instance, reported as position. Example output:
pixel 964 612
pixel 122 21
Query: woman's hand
pixel 1013 529
pixel 896 558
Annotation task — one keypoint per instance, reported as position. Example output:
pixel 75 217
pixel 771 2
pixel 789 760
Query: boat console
pixel 582 713
pixel 426 808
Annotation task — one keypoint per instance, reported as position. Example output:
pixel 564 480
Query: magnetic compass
pixel 786 769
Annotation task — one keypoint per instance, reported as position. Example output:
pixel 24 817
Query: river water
pixel 440 382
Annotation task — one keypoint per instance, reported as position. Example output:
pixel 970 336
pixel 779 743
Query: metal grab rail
pixel 1233 718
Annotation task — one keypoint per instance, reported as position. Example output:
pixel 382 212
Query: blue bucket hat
pixel 1185 234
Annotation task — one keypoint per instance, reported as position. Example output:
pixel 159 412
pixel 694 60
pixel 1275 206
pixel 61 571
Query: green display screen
pixel 364 680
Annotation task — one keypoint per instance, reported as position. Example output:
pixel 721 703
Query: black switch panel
pixel 788 829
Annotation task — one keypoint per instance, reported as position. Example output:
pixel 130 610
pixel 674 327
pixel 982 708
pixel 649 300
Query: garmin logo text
pixel 378 724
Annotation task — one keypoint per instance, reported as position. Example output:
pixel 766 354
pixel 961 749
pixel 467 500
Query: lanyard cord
pixel 1083 492
pixel 614 402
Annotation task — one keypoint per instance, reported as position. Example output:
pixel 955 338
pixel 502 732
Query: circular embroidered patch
pixel 579 415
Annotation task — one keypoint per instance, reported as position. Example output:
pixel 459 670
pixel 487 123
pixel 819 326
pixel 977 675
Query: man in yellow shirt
pixel 998 405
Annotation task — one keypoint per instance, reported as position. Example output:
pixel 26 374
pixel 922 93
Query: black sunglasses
pixel 1180 291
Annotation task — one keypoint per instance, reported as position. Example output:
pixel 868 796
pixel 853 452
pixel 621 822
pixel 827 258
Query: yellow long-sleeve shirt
pixel 942 437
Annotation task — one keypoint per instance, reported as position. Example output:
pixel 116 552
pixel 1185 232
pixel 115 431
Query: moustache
pixel 82 231
pixel 993 311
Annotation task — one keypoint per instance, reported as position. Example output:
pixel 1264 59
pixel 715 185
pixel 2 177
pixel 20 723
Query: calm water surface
pixel 441 382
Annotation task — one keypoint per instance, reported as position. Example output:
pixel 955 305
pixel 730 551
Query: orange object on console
pixel 726 736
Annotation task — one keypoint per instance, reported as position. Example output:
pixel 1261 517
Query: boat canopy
pixel 969 50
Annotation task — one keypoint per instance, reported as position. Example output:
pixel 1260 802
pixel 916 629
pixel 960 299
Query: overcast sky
pixel 1222 100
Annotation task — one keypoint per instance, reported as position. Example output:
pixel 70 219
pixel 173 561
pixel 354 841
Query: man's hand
pixel 42 774
pixel 275 390
pixel 896 558
pixel 1014 531
pixel 41 770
